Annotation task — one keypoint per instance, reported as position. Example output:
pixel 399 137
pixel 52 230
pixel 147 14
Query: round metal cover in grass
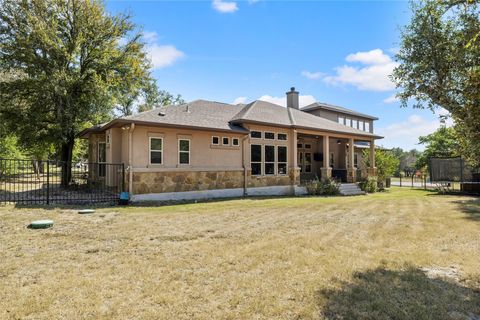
pixel 41 224
pixel 86 211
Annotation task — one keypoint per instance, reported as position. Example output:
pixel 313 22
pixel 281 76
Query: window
pixel 256 134
pixel 269 160
pixel 349 122
pixel 215 141
pixel 269 135
pixel 102 159
pixel 367 126
pixel 235 142
pixel 281 160
pixel 341 120
pixel 256 159
pixel 355 123
pixel 332 160
pixel 308 146
pixel 299 146
pixel 156 150
pixel 184 151
pixel 361 125
pixel 226 141
pixel 281 136
pixel 355 160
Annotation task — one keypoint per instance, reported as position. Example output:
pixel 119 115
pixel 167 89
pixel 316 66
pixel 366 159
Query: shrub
pixel 328 187
pixel 369 185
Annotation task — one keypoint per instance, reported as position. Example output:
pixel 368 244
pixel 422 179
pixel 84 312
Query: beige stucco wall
pixel 203 155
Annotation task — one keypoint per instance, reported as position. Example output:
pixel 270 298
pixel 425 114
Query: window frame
pixel 102 165
pixel 265 162
pixel 270 133
pixel 223 140
pixel 215 144
pixel 355 123
pixel 150 151
pixel 308 146
pixel 310 154
pixel 233 142
pixel 331 160
pixel 355 160
pixel 283 135
pixel 341 118
pixel 257 162
pixel 251 137
pixel 282 162
pixel 180 151
pixel 367 126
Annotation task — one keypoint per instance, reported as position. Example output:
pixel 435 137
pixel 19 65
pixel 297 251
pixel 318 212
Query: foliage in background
pixel 386 163
pixel 407 160
pixel 327 187
pixel 66 63
pixel 440 66
pixel 441 143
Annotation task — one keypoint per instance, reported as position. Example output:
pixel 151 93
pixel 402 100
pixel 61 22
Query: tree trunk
pixel 66 161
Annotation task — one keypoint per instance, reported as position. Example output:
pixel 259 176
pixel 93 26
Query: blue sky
pixel 338 52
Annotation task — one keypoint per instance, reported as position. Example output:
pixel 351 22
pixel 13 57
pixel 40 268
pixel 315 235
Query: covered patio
pixel 321 155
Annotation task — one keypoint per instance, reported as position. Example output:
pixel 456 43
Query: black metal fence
pixel 59 182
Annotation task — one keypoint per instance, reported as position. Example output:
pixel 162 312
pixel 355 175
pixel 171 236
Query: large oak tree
pixel 66 60
pixel 440 66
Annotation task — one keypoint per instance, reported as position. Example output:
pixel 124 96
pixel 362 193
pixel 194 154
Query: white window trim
pixel 261 134
pixel 189 153
pixel 228 144
pixel 150 151
pixel 278 162
pixel 269 162
pixel 343 120
pixel 286 136
pixel 236 145
pixel 215 144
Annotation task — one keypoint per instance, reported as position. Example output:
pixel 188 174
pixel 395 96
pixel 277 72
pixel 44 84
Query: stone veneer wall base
pixel 220 193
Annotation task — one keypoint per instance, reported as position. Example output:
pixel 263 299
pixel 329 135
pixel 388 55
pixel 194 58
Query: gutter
pixel 130 156
pixel 245 184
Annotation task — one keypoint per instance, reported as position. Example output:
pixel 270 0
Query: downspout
pixel 130 156
pixel 244 160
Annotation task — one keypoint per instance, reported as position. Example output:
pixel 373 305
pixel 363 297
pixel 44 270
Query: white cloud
pixel 160 55
pixel 224 6
pixel 163 55
pixel 239 100
pixel 404 134
pixel 372 76
pixel 312 75
pixel 282 101
pixel 391 99
pixel 375 56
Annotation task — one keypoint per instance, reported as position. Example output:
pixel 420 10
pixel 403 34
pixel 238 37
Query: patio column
pixel 351 167
pixel 326 170
pixel 372 170
pixel 294 169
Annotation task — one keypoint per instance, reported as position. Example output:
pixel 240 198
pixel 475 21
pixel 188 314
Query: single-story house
pixel 213 149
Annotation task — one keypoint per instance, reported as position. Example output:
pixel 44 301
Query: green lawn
pixel 401 254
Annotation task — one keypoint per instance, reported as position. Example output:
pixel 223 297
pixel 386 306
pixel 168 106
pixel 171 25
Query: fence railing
pixel 52 181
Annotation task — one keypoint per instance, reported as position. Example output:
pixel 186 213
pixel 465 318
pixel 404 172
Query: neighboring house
pixel 212 149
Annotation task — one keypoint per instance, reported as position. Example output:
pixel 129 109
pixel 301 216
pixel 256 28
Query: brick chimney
pixel 292 99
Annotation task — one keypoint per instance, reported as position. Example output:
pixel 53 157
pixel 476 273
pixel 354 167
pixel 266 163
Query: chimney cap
pixel 292 89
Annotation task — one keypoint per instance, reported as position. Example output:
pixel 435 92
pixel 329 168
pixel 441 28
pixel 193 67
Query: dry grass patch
pixel 293 258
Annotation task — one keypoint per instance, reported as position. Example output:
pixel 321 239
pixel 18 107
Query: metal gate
pixel 59 182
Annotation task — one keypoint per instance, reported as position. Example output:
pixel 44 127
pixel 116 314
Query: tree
pixel 67 64
pixel 440 66
pixel 441 143
pixel 385 161
pixel 154 97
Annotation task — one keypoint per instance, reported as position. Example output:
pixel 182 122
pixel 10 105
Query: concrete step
pixel 350 189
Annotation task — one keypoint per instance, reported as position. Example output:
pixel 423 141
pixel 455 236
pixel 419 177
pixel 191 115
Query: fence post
pixel 48 182
pixel 412 179
pixel 400 180
pixel 425 182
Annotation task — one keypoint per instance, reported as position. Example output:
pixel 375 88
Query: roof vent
pixel 161 113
